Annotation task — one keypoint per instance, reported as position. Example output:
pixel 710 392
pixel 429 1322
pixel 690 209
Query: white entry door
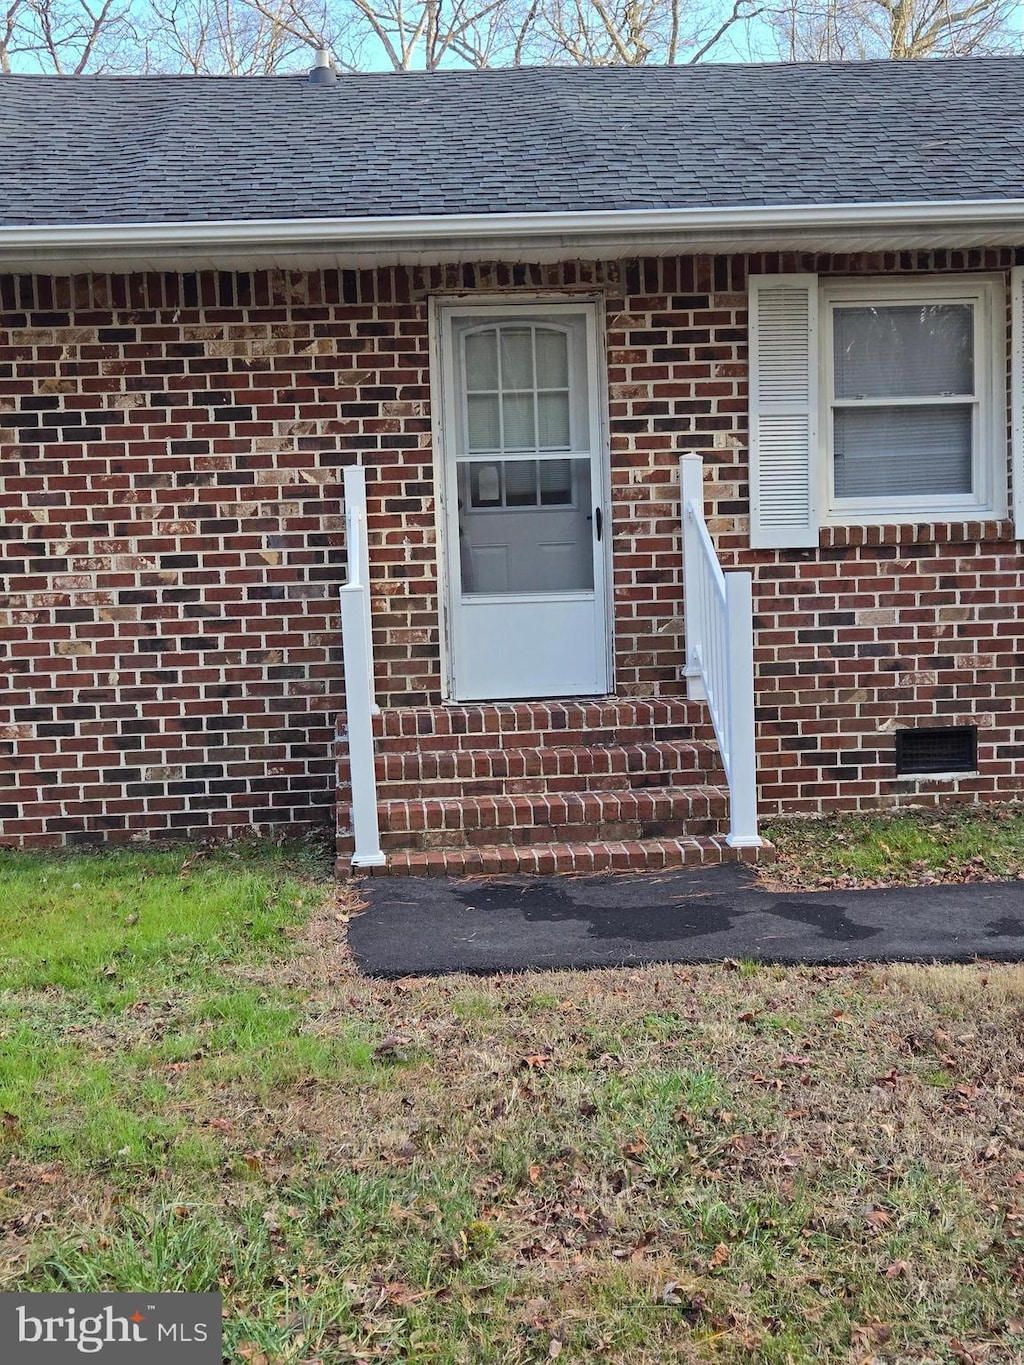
pixel 523 493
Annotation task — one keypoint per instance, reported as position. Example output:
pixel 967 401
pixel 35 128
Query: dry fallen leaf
pixel 536 1061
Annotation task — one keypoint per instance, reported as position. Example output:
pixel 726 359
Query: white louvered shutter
pixel 1017 396
pixel 783 411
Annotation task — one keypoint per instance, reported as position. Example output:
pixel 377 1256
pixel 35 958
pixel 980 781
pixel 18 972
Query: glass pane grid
pixel 508 406
pixel 500 484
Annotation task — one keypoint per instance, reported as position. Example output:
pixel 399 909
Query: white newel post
pixel 739 599
pixel 357 652
pixel 691 488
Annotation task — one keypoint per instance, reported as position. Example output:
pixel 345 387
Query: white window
pixel 911 402
pixel 875 401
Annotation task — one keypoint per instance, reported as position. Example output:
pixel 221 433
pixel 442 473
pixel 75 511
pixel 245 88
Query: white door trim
pixel 442 400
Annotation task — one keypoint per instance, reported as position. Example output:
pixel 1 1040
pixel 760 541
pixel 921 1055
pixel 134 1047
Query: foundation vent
pixel 937 749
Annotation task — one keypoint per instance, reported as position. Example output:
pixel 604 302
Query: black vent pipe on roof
pixel 323 73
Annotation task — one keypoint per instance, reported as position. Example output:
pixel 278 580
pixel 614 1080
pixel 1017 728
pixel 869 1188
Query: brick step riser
pixel 497 725
pixel 615 856
pixel 514 740
pixel 575 818
pixel 488 773
pixel 552 787
pixel 538 835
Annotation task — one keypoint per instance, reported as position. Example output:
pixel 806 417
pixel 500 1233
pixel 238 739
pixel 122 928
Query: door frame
pixel 440 403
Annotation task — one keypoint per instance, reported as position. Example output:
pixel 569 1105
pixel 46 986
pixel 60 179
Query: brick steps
pixel 641 855
pixel 542 787
pixel 532 818
pixel 580 767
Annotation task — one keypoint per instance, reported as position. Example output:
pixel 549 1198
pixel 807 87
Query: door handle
pixel 598 521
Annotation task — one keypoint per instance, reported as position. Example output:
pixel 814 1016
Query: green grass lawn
pixel 734 1164
pixel 922 847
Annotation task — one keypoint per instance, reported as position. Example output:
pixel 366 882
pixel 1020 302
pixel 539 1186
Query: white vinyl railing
pixel 357 652
pixel 718 609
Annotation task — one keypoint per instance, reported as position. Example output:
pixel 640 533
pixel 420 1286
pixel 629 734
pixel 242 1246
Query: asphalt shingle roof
pixel 149 149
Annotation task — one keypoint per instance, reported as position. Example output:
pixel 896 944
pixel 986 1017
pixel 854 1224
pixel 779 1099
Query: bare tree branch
pixel 741 13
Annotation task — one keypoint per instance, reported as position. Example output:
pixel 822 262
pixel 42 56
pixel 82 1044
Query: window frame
pixel 985 294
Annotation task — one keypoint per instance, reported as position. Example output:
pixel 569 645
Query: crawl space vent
pixel 947 749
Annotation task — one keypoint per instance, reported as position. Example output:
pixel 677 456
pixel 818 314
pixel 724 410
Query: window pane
pixel 481 360
pixel 520 547
pixel 485 485
pixel 516 358
pixel 555 482
pixel 553 421
pixel 484 429
pixel 517 409
pixel 520 483
pixel 552 360
pixel 903 452
pixel 906 351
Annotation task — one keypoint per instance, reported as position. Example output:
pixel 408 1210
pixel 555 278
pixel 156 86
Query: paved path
pixel 418 925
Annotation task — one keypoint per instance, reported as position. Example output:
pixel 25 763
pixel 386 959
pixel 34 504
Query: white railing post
pixel 691 487
pixel 719 669
pixel 357 652
pixel 739 601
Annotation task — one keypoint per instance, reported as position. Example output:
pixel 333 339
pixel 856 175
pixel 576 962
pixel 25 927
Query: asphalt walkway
pixel 423 925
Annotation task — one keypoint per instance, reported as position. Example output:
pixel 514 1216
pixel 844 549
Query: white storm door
pixel 524 503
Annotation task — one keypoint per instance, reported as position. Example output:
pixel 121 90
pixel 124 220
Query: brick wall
pixel 170 449
pixel 169 548
pixel 881 628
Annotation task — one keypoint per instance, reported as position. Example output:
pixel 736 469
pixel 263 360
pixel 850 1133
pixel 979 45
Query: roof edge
pixel 438 239
pixel 429 227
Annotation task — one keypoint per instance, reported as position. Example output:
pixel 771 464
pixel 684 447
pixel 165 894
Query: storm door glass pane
pixel 484 421
pixel 525 526
pixel 555 483
pixel 918 451
pixel 517 358
pixel 485 489
pixel 553 421
pixel 520 483
pixel 481 361
pixel 552 359
pixel 906 351
pixel 517 410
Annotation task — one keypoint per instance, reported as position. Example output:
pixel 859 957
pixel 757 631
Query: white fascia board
pixel 1000 220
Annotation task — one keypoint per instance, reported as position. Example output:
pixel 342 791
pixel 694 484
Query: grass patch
pixel 633 1166
pixel 967 844
pixel 120 996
